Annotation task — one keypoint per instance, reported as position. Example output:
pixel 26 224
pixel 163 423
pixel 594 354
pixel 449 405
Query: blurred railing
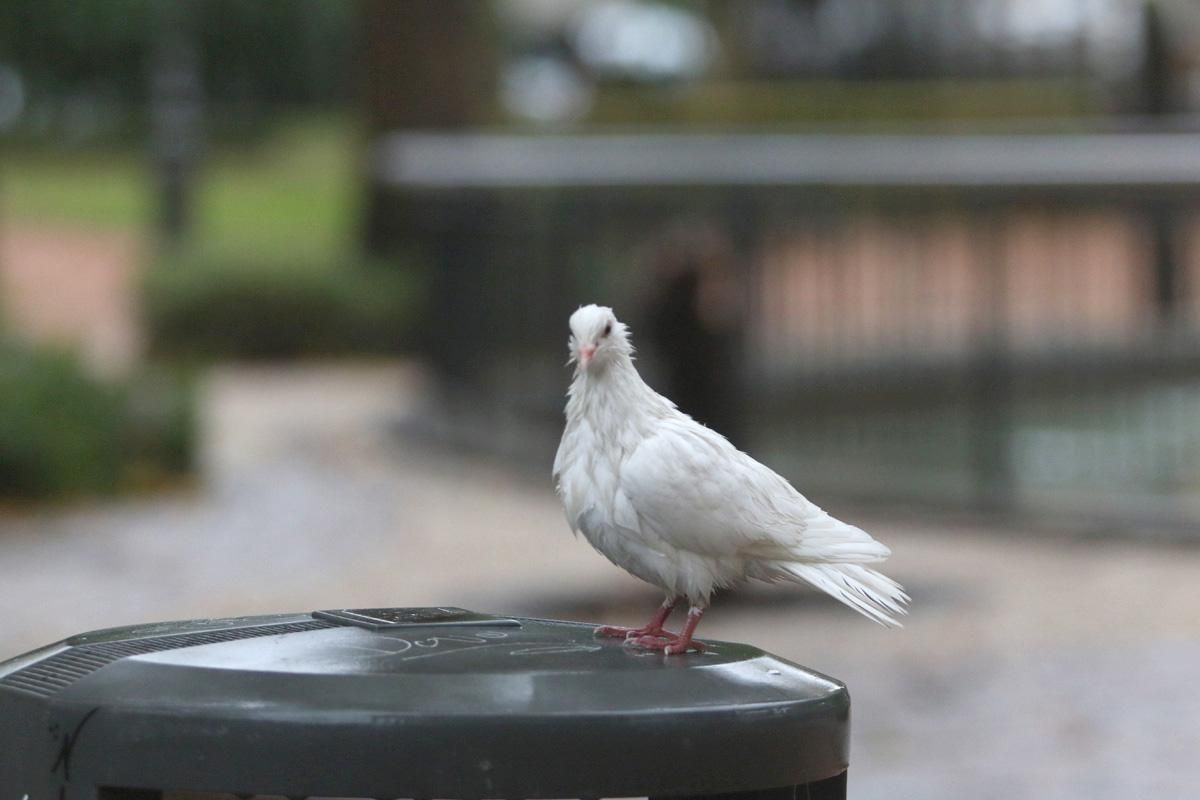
pixel 1001 322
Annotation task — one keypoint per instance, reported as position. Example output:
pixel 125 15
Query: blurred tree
pixel 277 52
pixel 66 46
pixel 430 65
pixel 253 56
pixel 1158 90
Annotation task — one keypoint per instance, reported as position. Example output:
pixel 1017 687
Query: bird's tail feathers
pixel 870 593
pixel 827 540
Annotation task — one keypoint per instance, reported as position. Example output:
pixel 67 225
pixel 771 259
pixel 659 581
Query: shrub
pixel 63 433
pixel 239 310
pixel 59 430
pixel 161 426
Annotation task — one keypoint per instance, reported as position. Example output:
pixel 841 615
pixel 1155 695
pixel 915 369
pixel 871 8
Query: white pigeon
pixel 675 504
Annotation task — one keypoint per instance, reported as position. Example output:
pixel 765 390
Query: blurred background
pixel 283 300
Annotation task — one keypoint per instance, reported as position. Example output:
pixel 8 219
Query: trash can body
pixel 413 703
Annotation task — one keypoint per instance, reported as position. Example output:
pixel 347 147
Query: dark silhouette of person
pixel 692 326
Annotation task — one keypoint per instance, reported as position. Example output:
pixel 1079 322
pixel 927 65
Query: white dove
pixel 675 504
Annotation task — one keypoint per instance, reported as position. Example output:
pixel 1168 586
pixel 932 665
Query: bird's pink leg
pixel 679 644
pixel 652 629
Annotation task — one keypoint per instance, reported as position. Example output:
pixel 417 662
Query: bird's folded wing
pixel 694 490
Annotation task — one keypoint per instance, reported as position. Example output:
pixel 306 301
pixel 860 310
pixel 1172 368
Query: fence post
pixel 1164 262
pixel 176 104
pixel 991 379
pixel 1160 99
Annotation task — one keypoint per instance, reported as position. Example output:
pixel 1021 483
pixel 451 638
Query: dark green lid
pixel 408 703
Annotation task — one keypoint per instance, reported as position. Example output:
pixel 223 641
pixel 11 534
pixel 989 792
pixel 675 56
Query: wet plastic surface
pixel 409 703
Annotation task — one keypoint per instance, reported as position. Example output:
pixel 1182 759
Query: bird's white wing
pixel 693 489
pixel 697 492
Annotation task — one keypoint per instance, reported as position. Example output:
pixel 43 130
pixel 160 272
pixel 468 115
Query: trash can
pixel 410 703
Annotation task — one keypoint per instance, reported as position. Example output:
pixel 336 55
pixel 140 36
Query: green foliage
pixel 59 431
pixel 161 426
pixel 63 46
pixel 253 54
pixel 63 433
pixel 277 310
pixel 872 105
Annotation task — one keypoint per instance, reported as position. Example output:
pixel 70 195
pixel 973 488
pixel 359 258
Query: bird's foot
pixel 612 632
pixel 617 632
pixel 669 644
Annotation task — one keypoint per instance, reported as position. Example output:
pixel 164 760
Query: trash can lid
pixel 430 702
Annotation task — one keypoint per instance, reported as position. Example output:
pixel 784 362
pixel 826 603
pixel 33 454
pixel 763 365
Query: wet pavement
pixel 1030 667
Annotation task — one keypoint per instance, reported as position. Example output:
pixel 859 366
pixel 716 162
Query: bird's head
pixel 597 337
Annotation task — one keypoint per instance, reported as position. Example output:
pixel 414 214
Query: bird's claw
pixel 617 632
pixel 669 644
pixel 612 632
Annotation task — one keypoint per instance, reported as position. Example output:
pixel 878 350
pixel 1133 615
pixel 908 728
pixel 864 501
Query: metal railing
pixel 995 321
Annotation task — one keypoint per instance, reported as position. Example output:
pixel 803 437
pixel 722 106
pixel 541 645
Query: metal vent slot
pixel 60 670
pixel 829 789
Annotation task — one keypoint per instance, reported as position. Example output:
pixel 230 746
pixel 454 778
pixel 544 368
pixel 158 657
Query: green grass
pixel 92 189
pixel 292 193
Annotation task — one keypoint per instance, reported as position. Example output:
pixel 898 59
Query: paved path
pixel 1030 667
pixel 73 287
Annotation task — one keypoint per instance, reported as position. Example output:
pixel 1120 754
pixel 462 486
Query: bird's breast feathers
pixel 586 475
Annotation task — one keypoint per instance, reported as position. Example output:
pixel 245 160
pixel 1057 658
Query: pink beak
pixel 586 352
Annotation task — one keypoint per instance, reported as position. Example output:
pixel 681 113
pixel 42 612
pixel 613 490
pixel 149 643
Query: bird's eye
pixel 608 329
